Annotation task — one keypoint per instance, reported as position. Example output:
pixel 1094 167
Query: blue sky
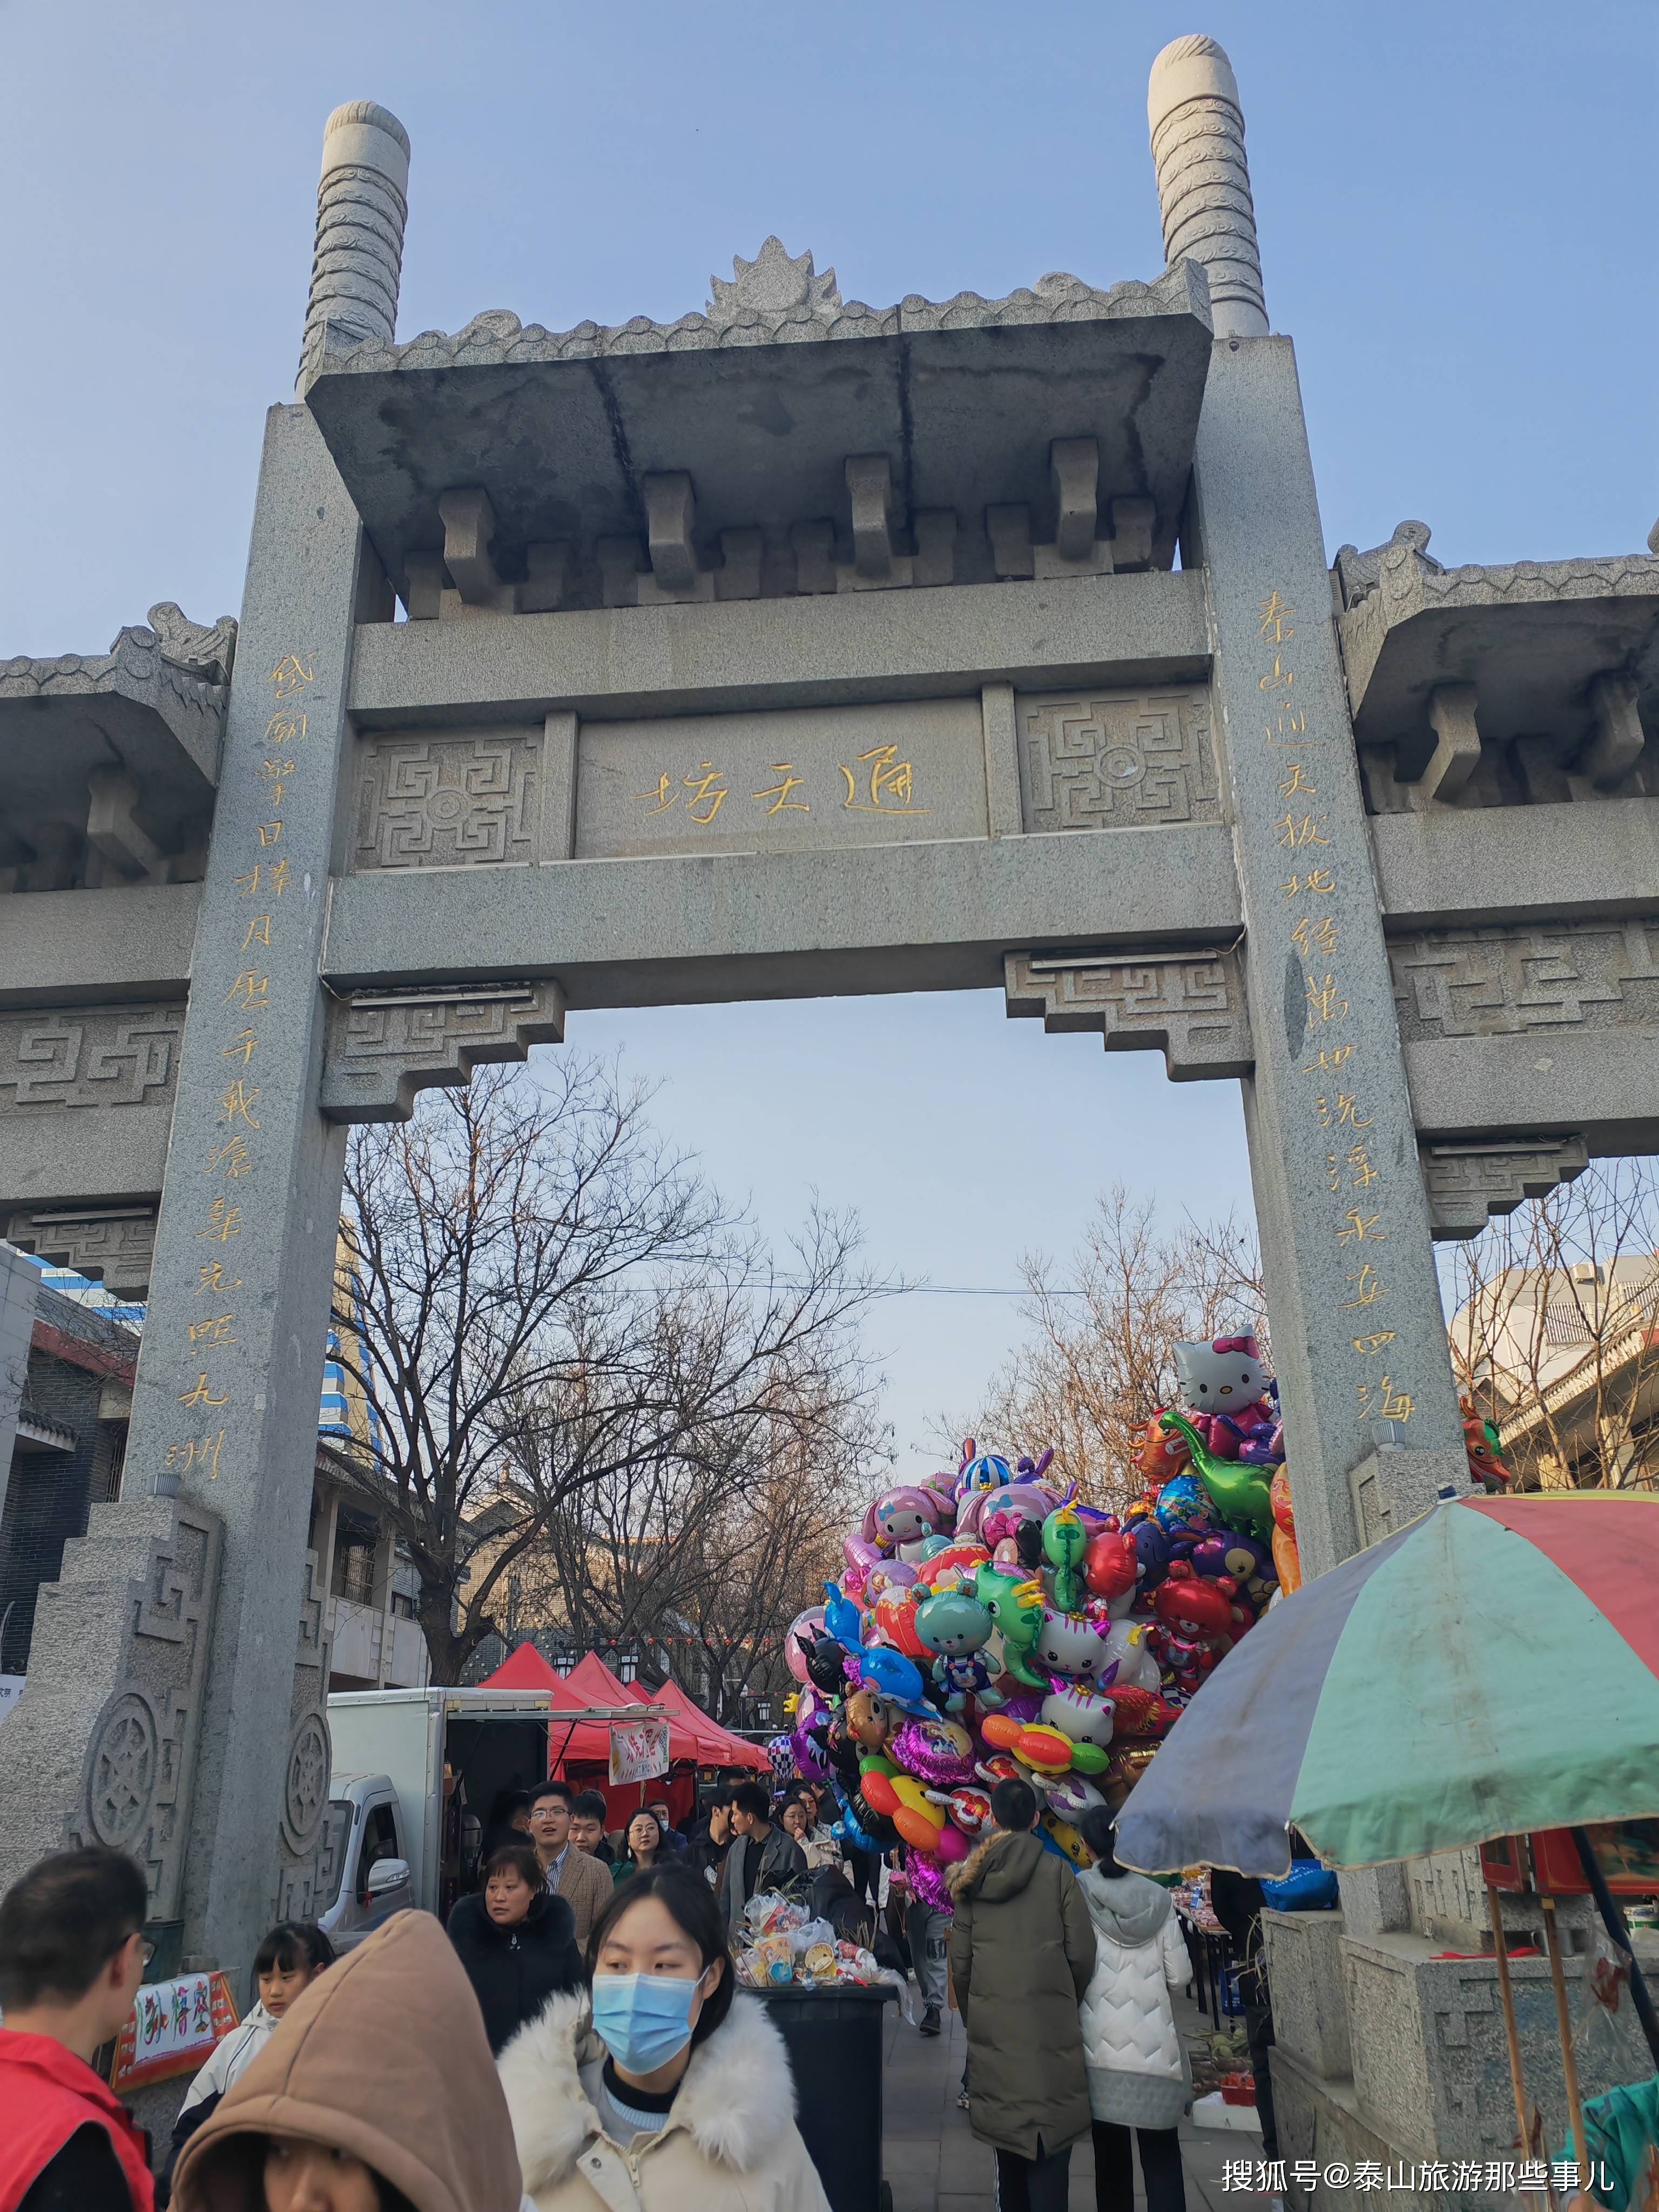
pixel 1455 208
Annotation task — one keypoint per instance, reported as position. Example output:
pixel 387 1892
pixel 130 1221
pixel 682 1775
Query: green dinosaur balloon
pixel 1238 1492
pixel 1014 1602
pixel 1065 1539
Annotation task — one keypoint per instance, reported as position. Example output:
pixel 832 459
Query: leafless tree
pixel 1104 1326
pixel 540 1301
pixel 700 1560
pixel 1555 1329
pixel 697 1548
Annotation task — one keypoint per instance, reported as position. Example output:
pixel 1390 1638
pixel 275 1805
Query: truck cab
pixel 371 1874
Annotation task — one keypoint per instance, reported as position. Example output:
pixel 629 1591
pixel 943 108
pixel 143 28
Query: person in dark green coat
pixel 1022 1952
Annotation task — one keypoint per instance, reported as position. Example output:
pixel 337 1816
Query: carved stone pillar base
pixel 106 1731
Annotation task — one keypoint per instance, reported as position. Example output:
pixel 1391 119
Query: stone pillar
pixel 20 1280
pixel 1203 182
pixel 361 207
pixel 1359 1341
pixel 225 1405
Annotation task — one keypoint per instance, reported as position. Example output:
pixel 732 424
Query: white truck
pixel 414 1775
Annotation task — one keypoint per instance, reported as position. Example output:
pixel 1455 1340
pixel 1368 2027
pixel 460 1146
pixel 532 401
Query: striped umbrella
pixel 1491 1669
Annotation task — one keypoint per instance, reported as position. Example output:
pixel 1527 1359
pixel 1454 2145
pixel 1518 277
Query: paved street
pixel 935 2164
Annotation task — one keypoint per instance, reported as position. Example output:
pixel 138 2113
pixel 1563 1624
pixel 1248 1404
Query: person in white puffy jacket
pixel 1137 2074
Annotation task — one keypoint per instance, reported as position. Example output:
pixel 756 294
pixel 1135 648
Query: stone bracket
pixel 870 489
pixel 475 586
pixel 112 793
pixel 669 512
pixel 469 522
pixel 1074 467
pixel 1457 741
pixel 1187 1002
pixel 1132 523
pixel 1617 746
pixel 1467 1184
pixel 1009 529
pixel 384 1046
pixel 1076 551
pixel 814 543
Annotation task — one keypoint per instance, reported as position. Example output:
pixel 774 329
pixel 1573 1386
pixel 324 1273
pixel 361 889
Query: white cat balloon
pixel 1214 1382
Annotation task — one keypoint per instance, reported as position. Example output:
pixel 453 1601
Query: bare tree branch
pixel 1555 1329
pixel 552 1317
pixel 1104 1326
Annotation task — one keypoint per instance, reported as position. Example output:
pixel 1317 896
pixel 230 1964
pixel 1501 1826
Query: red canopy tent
pixel 582 1753
pixel 584 1740
pixel 523 1669
pixel 723 1748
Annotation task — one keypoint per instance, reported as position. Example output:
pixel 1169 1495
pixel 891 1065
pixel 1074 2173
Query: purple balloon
pixel 859 1554
pixel 809 1760
pixel 927 1882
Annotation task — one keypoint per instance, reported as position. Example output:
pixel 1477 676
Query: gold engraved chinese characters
pixel 1315 942
pixel 232 1153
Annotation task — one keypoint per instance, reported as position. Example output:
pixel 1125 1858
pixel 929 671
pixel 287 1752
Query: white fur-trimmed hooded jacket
pixel 730 2145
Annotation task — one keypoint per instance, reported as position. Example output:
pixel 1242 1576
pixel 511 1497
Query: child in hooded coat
pixel 380 2075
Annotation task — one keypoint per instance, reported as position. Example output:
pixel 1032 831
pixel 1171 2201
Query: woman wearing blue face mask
pixel 659 2086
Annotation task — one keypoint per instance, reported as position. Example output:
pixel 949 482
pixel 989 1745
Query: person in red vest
pixel 72 1955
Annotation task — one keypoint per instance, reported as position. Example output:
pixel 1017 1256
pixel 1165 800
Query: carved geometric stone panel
pixel 89 1056
pixel 113 1245
pixel 308 1839
pixel 1515 981
pixel 384 1046
pixel 1467 1184
pixel 1189 1004
pixel 449 802
pixel 1115 760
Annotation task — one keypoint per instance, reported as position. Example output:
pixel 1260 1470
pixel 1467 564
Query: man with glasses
pixel 72 1955
pixel 570 1873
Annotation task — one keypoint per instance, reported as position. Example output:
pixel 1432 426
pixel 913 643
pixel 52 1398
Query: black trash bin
pixel 834 2039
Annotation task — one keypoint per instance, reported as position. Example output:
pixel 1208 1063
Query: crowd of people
pixel 575 2037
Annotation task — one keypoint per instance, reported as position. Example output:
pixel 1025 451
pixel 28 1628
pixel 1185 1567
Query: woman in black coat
pixel 517 1942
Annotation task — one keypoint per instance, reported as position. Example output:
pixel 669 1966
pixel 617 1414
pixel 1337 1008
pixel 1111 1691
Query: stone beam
pixel 1516 863
pixel 64 948
pixel 1501 1088
pixel 786 924
pixel 820 651
pixel 1510 1029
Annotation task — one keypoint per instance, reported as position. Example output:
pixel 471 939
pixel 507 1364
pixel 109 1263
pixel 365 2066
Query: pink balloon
pixel 952 1845
pixel 809 1625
